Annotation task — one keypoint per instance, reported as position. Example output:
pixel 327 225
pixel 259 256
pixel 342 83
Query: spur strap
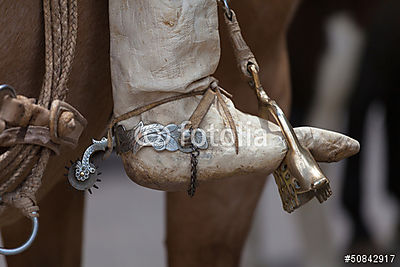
pixel 196 117
pixel 202 108
pixel 228 117
pixel 209 96
pixel 140 110
pixel 180 137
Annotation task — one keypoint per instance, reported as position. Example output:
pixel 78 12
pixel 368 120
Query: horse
pixel 264 24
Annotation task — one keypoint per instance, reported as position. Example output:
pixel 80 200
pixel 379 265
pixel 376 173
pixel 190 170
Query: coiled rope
pixel 22 166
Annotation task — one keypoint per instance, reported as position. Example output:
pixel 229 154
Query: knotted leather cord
pixel 60 27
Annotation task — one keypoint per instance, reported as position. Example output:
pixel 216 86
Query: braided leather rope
pixel 23 165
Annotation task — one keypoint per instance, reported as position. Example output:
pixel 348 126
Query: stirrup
pixel 27 244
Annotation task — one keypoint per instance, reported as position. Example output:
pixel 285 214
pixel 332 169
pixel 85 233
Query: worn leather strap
pixel 198 114
pixel 205 103
pixel 202 108
pixel 66 124
pixel 21 111
pixel 243 54
pixel 63 123
pixel 34 135
pixel 228 117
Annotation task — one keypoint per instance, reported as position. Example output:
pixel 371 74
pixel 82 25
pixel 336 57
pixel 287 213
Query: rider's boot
pixel 162 49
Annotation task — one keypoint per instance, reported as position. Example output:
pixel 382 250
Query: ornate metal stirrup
pixel 299 177
pixel 27 244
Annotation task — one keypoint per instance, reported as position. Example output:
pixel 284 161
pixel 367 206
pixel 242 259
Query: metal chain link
pixel 193 178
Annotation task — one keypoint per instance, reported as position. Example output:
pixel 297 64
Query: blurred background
pixel 344 56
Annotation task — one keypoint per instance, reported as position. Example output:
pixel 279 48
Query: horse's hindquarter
pixel 22 66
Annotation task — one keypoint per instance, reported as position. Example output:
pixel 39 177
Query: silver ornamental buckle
pixel 171 138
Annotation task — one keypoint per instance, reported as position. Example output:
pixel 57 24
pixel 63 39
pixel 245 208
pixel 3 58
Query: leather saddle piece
pixel 24 122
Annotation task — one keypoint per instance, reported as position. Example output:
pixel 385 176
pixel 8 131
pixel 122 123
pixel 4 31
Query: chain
pixel 193 178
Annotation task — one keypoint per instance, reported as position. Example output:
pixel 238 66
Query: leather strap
pixel 202 108
pixel 198 115
pixel 205 103
pixel 34 135
pixel 66 124
pixel 61 125
pixel 229 117
pixel 243 54
pixel 21 111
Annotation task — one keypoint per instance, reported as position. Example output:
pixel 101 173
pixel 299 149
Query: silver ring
pixel 5 88
pixel 228 11
pixel 27 244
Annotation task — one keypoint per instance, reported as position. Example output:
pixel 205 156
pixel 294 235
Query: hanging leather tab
pixel 202 108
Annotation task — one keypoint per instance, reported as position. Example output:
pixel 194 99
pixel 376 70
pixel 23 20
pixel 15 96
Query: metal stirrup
pixel 27 244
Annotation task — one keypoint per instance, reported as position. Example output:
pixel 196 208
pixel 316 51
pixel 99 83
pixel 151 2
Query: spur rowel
pixel 83 174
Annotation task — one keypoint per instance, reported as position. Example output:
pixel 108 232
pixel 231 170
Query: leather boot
pixel 162 49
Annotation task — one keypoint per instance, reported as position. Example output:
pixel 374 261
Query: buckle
pixel 66 124
pixel 7 89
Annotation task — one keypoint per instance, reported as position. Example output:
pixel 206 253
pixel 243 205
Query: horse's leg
pixel 211 228
pixel 60 233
